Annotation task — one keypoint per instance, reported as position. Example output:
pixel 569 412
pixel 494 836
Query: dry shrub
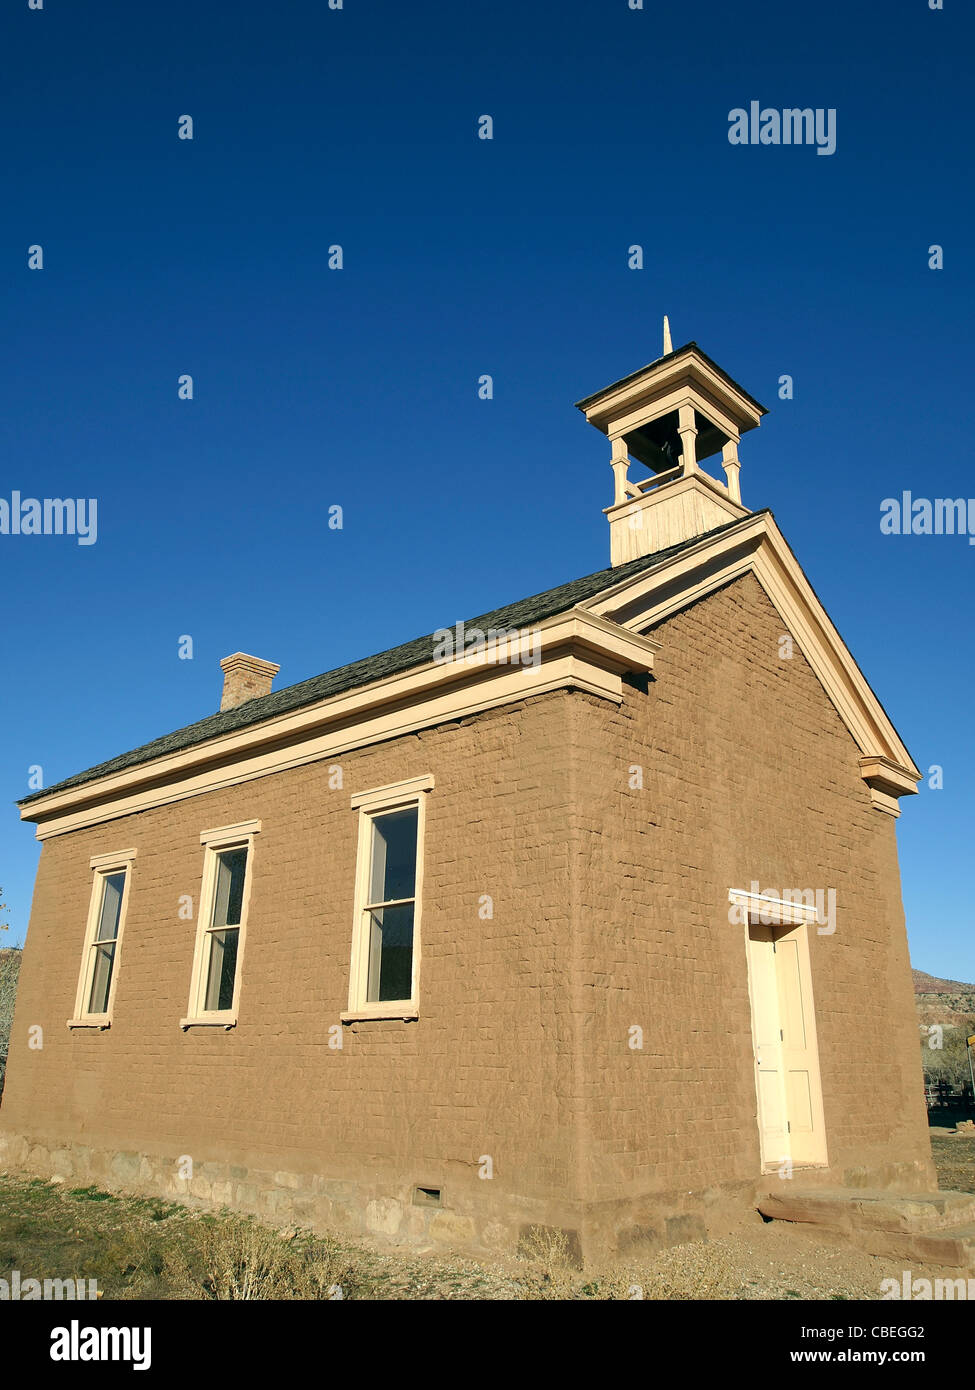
pixel 235 1258
pixel 548 1252
pixel 554 1272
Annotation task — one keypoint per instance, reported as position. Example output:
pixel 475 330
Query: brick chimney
pixel 245 678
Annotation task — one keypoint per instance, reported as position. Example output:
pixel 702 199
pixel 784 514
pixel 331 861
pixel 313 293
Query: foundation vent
pixel 428 1196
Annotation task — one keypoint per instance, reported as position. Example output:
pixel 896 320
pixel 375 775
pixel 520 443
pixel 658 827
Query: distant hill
pixel 943 1001
pixel 930 984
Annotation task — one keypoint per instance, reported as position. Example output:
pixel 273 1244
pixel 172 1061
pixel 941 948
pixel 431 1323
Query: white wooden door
pixel 766 1035
pixel 800 1055
pixel 790 1102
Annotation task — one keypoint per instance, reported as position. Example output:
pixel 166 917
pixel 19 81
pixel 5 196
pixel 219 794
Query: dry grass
pixel 954 1159
pixel 141 1248
pixel 232 1258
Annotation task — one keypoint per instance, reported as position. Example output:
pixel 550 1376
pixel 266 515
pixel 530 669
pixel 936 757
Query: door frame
pixel 792 919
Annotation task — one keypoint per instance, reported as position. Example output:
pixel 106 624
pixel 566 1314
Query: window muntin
pixel 223 933
pixel 391 909
pixel 385 965
pixel 107 907
pixel 221 925
pixel 101 964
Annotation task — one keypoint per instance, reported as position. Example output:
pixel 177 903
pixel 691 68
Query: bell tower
pixel 670 417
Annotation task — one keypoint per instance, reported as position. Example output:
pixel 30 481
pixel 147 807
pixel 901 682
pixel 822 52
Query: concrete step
pixel 934 1228
pixel 853 1208
pixel 953 1248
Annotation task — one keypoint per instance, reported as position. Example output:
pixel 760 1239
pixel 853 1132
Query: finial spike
pixel 668 345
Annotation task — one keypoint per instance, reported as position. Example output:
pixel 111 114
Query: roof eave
pixel 588 401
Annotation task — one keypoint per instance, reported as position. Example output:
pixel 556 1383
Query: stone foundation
pixel 344 1208
pixel 484 1223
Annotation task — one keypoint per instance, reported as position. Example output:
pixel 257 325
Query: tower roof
pixel 691 348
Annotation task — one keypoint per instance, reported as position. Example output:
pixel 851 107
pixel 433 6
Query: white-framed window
pixel 103 939
pixel 221 925
pixel 384 975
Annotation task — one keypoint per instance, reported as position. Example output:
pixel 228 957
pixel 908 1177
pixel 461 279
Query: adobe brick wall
pixel 481 1073
pixel 610 910
pixel 748 774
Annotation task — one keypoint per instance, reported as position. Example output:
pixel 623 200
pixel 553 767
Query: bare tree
pixel 9 971
pixel 944 1055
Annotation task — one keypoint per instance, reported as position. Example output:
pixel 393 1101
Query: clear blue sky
pixel 358 387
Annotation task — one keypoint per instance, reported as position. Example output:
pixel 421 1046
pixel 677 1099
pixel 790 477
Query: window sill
pixel 225 1021
pixel 100 1023
pixel 407 1012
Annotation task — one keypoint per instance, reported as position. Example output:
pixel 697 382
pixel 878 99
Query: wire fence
pixel 942 1097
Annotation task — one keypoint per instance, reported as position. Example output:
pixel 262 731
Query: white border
pixel 103 865
pixel 239 836
pixel 398 795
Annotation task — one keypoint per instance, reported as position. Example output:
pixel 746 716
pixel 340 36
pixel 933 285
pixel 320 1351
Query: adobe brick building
pixel 587 918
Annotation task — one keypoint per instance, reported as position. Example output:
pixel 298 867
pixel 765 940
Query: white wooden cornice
pixel 577 650
pixel 758 547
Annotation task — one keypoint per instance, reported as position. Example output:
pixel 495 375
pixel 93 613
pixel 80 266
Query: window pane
pixel 231 867
pixel 221 969
pixel 393 858
pixel 390 953
pixel 101 980
pixel 112 886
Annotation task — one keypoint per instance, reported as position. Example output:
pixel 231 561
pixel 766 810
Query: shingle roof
pixel 524 613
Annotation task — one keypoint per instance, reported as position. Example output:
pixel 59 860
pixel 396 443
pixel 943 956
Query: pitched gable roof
pixel 524 613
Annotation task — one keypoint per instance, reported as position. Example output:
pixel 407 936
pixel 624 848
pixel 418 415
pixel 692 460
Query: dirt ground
pixel 138 1248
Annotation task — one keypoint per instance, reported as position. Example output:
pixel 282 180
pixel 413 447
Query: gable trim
pixel 758 547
